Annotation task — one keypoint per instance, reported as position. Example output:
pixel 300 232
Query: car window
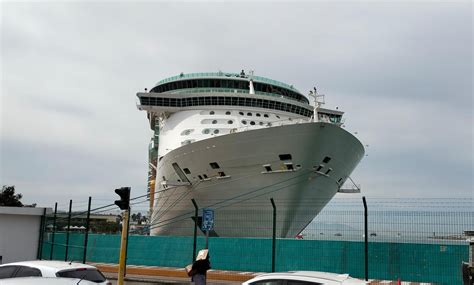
pixel 268 282
pixel 89 274
pixel 296 282
pixel 7 271
pixel 26 271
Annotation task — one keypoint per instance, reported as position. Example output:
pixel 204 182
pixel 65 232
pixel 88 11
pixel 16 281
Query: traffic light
pixel 124 201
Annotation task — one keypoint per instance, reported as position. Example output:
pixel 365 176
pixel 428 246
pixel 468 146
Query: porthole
pixel 252 123
pixel 269 124
pixel 230 122
pixel 214 121
pixel 211 113
pixel 216 131
pixel 249 114
pixel 265 115
pixel 206 131
pixel 277 116
pixel 241 113
pixel 260 123
pixel 227 113
pixel 258 115
pixel 244 122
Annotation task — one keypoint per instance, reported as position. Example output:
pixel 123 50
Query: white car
pixel 304 278
pixel 44 281
pixel 50 268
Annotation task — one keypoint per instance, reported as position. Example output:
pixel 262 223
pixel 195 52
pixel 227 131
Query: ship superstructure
pixel 232 141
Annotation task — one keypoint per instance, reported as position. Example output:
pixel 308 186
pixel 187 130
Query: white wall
pixel 19 233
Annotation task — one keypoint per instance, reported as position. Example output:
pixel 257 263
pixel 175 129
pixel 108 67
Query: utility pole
pixel 124 204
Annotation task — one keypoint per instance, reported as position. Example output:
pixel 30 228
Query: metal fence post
pixel 274 234
pixel 366 241
pixel 68 227
pixel 54 230
pixel 196 209
pixel 41 235
pixel 126 248
pixel 86 237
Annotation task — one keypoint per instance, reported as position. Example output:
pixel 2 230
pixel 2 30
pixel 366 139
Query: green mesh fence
pixel 437 263
pixel 412 240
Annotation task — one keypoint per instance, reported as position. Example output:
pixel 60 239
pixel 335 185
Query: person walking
pixel 200 267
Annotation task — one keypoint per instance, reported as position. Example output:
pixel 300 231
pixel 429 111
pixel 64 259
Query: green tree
pixel 8 197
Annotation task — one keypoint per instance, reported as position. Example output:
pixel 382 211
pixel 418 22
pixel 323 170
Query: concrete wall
pixel 19 233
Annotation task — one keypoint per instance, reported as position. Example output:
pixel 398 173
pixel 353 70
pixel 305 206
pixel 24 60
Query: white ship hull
pixel 241 198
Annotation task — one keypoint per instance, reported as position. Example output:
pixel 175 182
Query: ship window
pixel 268 168
pixel 214 121
pixel 227 113
pixel 230 122
pixel 206 131
pixel 265 115
pixel 186 170
pixel 200 177
pixel 241 113
pixel 249 114
pixel 205 176
pixel 252 123
pixel 298 166
pixel 244 122
pixel 211 113
pixel 186 132
pixel 221 174
pixel 214 165
pixel 258 115
pixel 326 159
pixel 216 131
pixel 327 171
pixel 285 156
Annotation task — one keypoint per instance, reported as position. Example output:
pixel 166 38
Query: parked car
pixel 44 281
pixel 304 278
pixel 50 268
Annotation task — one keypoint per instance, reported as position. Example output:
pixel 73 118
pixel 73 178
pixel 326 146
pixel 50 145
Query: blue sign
pixel 207 220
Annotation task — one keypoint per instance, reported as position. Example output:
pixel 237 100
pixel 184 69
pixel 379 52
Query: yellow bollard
pixel 123 247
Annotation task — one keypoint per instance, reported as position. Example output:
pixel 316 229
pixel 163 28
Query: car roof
pixel 311 274
pixel 51 264
pixel 45 281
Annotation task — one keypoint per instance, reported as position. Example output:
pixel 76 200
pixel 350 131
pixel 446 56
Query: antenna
pixel 318 102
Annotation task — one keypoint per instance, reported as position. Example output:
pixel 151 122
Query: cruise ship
pixel 231 142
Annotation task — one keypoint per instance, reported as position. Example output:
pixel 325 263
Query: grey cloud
pixel 401 71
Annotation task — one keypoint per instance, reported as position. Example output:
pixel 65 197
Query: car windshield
pixel 88 274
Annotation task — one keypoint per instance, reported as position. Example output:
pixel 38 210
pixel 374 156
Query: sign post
pixel 207 223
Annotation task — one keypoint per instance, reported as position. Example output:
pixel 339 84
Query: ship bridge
pixel 202 91
pixel 227 83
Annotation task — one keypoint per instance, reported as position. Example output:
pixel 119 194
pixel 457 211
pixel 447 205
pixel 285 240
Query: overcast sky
pixel 70 128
